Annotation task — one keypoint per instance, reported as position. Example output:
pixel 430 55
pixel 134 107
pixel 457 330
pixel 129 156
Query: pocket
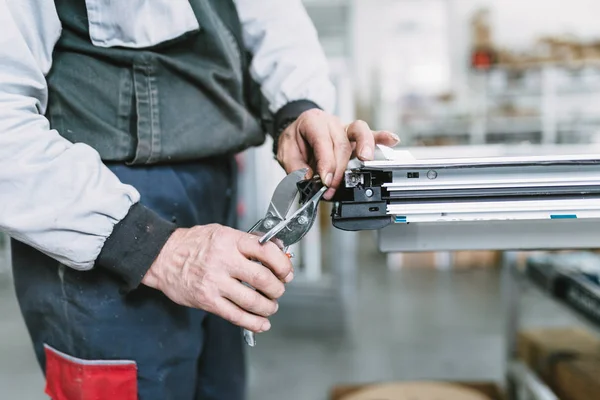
pixel 70 378
pixel 139 23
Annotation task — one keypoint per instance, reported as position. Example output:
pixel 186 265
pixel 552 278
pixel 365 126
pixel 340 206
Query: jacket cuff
pixel 287 115
pixel 134 244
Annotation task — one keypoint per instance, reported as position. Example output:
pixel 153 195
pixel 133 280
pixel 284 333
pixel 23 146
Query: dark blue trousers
pixel 181 353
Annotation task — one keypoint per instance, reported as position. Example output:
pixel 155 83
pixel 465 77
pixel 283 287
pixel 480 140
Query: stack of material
pixel 578 378
pixel 566 359
pixel 458 260
pixel 418 391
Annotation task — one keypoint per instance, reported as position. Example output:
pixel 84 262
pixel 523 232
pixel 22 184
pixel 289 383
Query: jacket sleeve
pixel 56 196
pixel 288 60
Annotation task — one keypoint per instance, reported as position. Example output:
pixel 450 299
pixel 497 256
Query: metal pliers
pixel 276 225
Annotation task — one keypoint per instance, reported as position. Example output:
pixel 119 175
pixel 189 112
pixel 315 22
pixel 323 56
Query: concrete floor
pixel 403 325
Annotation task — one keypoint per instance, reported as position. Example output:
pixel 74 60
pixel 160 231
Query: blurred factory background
pixel 442 73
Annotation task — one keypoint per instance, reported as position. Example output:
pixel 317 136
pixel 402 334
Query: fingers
pixel 248 299
pixel 237 316
pixel 315 130
pixel 267 254
pixel 343 151
pixel 259 277
pixel 360 133
pixel 317 137
pixel 386 138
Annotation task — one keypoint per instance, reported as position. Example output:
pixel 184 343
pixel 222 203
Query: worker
pixel 119 126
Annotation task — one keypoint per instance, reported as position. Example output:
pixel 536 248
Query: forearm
pixel 56 196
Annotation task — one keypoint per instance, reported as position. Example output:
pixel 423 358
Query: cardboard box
pixel 428 259
pixel 540 348
pixel 488 390
pixel 448 260
pixel 476 259
pixel 577 379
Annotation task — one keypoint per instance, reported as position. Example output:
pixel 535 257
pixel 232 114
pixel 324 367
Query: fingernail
pixel 395 137
pixel 329 194
pixel 276 307
pixel 328 179
pixel 366 153
pixel 289 277
pixel 266 326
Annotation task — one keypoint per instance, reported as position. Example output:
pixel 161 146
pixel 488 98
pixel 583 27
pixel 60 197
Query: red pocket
pixel 70 378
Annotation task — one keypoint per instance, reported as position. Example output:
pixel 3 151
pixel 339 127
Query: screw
pixel 302 220
pixel 432 174
pixel 369 192
pixel 269 224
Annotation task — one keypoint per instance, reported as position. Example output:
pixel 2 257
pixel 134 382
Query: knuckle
pixel 236 317
pixel 278 290
pixel 209 258
pixel 284 267
pixel 255 325
pixel 327 162
pixel 254 300
pixel 261 279
pixel 242 241
pixel 344 146
pixel 360 124
pixel 327 166
pixel 313 112
pixel 207 284
pixel 210 279
pixel 214 232
pixel 250 300
pixel 270 246
pixel 204 298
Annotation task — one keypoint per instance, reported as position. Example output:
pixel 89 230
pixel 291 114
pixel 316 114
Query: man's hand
pixel 319 140
pixel 202 267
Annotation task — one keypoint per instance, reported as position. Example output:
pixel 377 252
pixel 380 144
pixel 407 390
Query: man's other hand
pixel 203 267
pixel 320 141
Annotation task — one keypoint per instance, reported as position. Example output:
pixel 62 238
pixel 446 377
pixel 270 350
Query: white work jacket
pixel 57 196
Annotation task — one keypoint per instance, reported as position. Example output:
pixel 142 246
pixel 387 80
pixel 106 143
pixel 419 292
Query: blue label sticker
pixel 567 216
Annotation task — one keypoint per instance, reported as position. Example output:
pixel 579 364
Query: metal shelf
pixel 526 385
pixel 590 322
pixel 522 382
pixel 529 92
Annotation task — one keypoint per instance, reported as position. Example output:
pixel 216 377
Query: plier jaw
pixel 291 229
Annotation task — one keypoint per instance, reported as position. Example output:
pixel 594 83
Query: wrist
pixel 170 256
pixel 134 245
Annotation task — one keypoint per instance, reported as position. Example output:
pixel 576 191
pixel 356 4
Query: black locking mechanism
pixel 361 201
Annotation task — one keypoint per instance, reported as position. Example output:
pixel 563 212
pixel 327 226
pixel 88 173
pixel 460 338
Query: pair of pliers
pixel 277 226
